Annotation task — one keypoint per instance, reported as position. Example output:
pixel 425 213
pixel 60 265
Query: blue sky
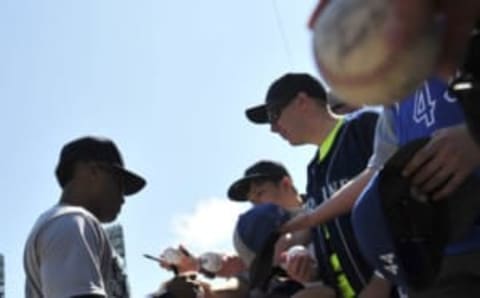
pixel 168 81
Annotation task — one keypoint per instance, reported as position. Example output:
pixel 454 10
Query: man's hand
pixel 444 163
pixel 288 240
pixel 299 222
pixel 186 263
pixel 231 266
pixel 281 246
pixel 409 18
pixel 301 267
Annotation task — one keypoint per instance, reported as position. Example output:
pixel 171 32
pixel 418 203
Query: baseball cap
pixel 404 234
pixel 264 169
pixel 256 233
pixel 97 149
pixel 282 91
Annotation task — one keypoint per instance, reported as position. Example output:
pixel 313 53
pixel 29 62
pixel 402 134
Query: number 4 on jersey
pixel 424 108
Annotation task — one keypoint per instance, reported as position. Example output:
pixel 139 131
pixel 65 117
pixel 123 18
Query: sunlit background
pixel 168 81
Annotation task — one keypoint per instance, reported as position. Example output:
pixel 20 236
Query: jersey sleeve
pixel 71 249
pixel 385 142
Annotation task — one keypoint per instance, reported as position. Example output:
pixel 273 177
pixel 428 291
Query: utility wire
pixel 282 33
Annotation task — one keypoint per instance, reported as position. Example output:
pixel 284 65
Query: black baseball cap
pixel 282 91
pixel 264 169
pixel 100 150
pixel 421 228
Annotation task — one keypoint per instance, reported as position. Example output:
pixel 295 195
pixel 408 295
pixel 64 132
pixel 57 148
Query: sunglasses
pixel 274 111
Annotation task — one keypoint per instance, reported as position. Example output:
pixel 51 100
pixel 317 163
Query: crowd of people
pixel 378 217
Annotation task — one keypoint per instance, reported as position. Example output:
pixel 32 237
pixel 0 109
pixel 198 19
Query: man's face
pixel 110 192
pixel 288 122
pixel 264 192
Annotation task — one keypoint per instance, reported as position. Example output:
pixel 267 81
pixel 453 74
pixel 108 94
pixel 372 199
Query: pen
pixel 150 257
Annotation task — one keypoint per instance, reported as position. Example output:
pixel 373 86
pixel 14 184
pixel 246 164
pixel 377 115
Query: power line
pixel 282 32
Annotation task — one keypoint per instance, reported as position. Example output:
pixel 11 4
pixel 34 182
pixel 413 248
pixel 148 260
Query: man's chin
pixel 295 142
pixel 109 218
pixel 289 140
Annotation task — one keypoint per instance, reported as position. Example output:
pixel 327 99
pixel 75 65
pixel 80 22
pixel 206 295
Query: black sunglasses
pixel 274 110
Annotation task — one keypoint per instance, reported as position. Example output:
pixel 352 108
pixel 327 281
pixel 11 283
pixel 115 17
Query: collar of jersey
pixel 327 144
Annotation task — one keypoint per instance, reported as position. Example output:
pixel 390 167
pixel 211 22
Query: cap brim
pixel 257 114
pixel 132 183
pixel 239 189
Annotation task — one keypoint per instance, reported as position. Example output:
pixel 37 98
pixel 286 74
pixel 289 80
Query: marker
pixel 150 257
pixel 171 267
pixel 185 251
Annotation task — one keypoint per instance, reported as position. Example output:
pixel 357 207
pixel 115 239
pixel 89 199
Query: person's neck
pixel 295 201
pixel 323 128
pixel 73 196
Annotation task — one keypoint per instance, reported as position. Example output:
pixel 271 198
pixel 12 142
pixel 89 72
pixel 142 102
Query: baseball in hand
pixel 171 255
pixel 296 250
pixel 211 262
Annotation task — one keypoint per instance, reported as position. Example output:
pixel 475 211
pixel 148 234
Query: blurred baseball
pixel 296 250
pixel 211 262
pixel 171 256
pixel 358 59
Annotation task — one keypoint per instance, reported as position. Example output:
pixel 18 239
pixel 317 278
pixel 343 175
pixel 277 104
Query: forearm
pixel 340 203
pixel 301 237
pixel 376 288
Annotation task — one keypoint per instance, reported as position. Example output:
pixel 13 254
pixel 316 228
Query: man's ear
pixel 84 170
pixel 92 169
pixel 286 182
pixel 303 100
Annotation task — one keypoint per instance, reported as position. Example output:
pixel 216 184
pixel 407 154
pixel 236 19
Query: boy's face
pixel 264 192
pixel 289 123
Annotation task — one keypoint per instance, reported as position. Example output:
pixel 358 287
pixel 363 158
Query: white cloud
pixel 210 226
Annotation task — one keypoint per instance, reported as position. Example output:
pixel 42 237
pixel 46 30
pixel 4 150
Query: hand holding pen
pixel 179 260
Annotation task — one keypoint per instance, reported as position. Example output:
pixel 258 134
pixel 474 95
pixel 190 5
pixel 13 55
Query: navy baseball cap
pixel 100 150
pixel 256 233
pixel 402 233
pixel 282 91
pixel 261 170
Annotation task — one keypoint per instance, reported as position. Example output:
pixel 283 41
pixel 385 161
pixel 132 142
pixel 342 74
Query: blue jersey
pixel 429 109
pixel 350 147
